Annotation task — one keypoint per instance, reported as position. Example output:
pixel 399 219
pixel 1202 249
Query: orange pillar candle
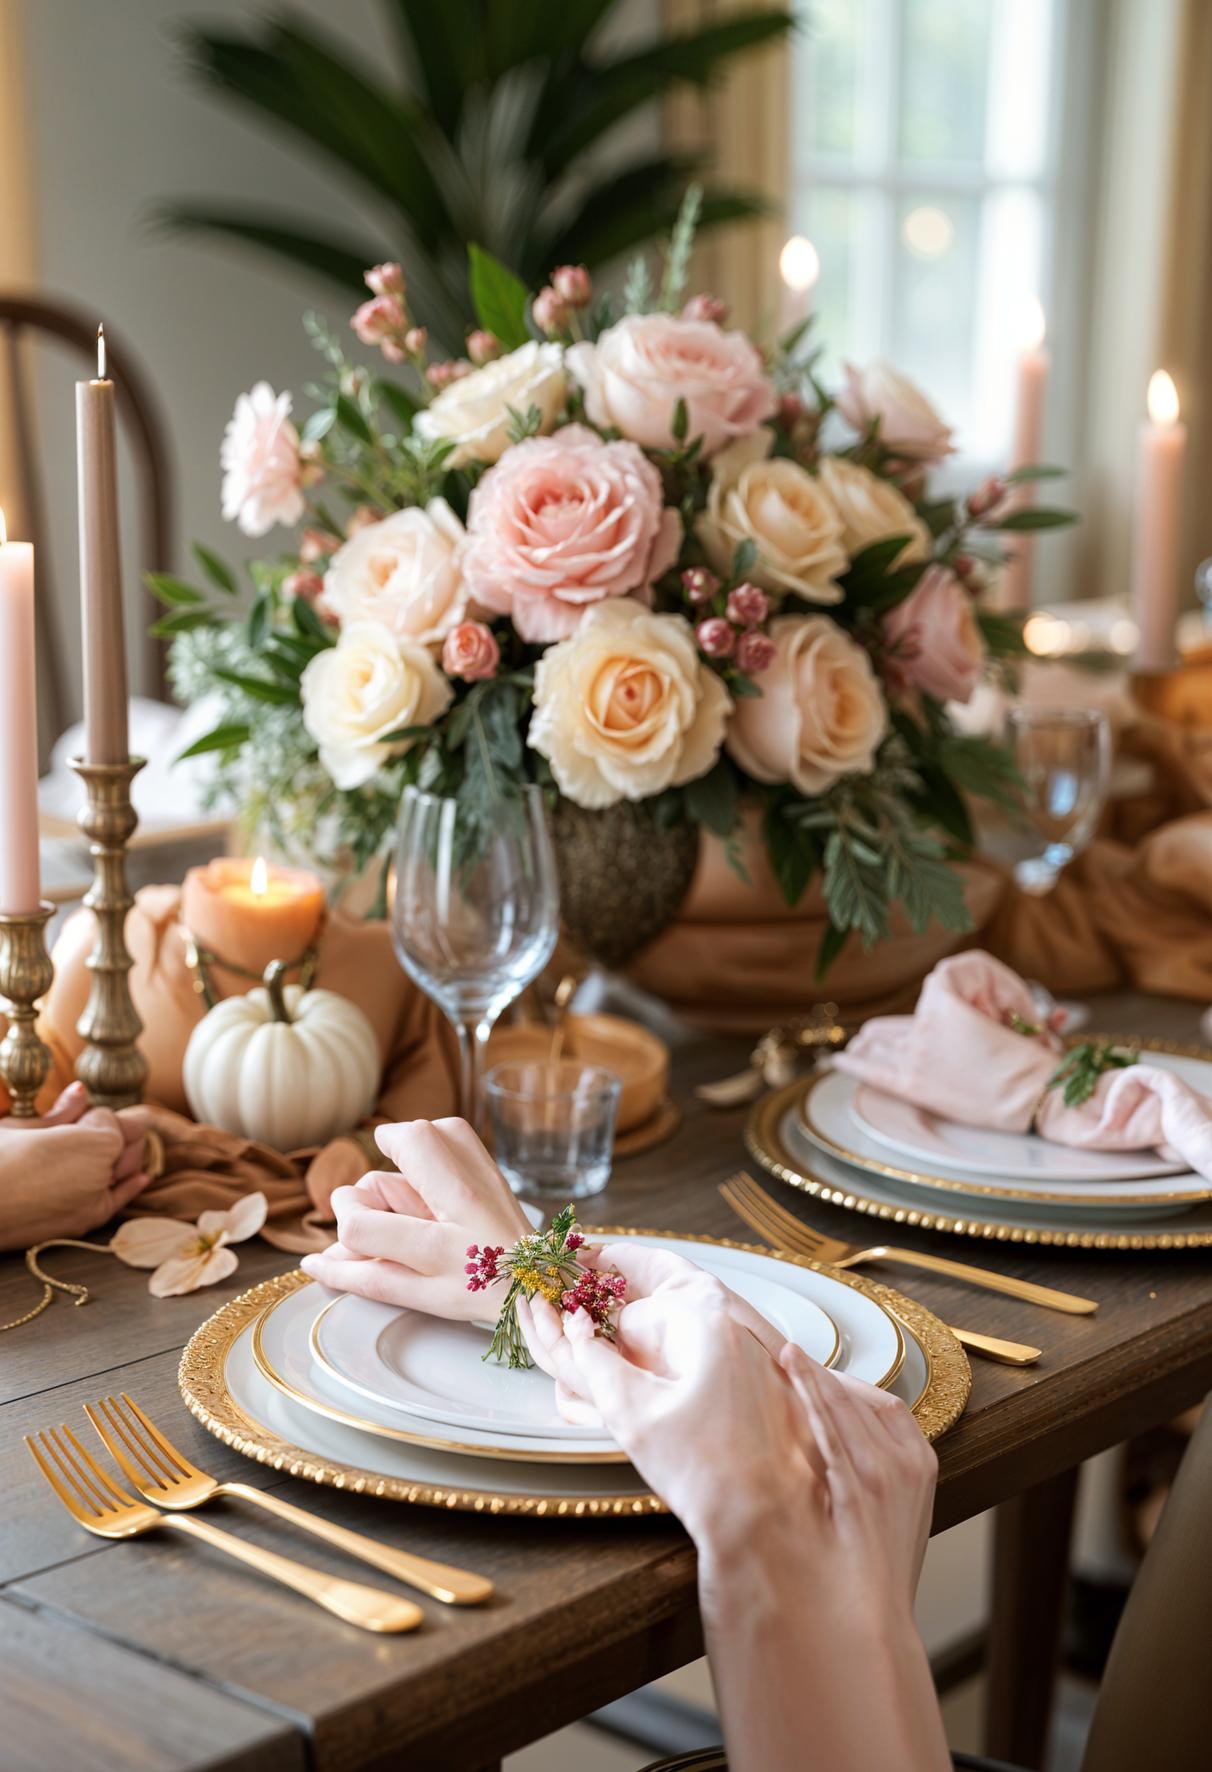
pixel 102 626
pixel 249 913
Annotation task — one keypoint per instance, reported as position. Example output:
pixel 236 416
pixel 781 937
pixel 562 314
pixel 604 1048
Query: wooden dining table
pixel 160 1653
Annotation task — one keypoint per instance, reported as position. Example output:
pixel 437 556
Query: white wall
pixel 117 128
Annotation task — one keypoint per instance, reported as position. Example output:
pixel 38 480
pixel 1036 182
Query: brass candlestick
pixel 25 975
pixel 111 1067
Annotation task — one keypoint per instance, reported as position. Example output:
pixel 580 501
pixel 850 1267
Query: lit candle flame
pixel 1163 398
pixel 1035 324
pixel 3 528
pixel 100 353
pixel 258 883
pixel 799 264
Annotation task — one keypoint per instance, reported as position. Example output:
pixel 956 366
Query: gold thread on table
pixel 765 1144
pixel 202 1380
pixel 923 1178
pixel 49 1284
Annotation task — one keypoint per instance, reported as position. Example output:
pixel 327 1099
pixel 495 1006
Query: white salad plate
pixel 436 1370
pixel 871 1345
pixel 838 1115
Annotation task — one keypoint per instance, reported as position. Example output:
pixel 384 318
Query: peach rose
pixel 639 369
pixel 933 638
pixel 360 691
pixel 564 522
pixel 908 422
pixel 405 572
pixel 784 511
pixel 872 509
pixel 820 714
pixel 471 652
pixel 475 410
pixel 626 708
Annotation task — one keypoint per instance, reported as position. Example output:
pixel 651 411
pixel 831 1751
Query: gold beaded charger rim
pixel 766 1145
pixel 202 1380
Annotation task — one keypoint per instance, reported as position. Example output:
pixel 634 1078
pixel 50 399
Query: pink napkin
pixel 960 1055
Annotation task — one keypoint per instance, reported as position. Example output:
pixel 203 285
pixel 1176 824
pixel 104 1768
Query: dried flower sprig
pixel 542 1265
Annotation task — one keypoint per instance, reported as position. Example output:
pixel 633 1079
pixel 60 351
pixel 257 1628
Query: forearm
pixel 809 1679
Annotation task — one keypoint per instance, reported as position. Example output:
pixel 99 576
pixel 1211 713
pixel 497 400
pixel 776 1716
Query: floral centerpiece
pixel 621 551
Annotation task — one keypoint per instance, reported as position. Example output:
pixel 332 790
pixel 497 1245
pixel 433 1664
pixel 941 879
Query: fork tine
pixel 779 1214
pixel 70 1500
pixel 91 1499
pixel 136 1468
pixel 121 1497
pixel 142 1446
pixel 740 1207
pixel 768 1218
pixel 158 1439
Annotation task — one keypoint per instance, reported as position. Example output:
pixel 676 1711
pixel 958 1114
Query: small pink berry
pixel 716 637
pixel 699 584
pixel 572 284
pixel 385 279
pixel 754 653
pixel 482 347
pixel 748 606
pixel 550 310
pixel 706 307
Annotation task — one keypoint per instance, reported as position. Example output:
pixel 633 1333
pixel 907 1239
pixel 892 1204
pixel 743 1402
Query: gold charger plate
pixel 765 1143
pixel 994 1189
pixel 203 1385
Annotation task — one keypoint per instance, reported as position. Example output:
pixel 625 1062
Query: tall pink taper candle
pixel 103 629
pixel 1159 494
pixel 1033 367
pixel 19 882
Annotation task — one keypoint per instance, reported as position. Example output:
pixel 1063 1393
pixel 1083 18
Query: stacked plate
pixel 859 1147
pixel 366 1394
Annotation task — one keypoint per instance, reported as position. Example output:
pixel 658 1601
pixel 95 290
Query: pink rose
pixel 638 370
pixel 820 715
pixel 564 522
pixel 933 639
pixel 383 322
pixel 483 346
pixel 470 651
pixel 908 423
pixel 415 340
pixel 262 473
pixel 572 284
pixel 385 279
pixel 716 637
pixel 550 310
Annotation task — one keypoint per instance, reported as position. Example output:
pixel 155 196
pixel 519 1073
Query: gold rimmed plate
pixel 776 1139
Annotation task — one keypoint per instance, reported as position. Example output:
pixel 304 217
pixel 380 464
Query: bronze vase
pixel 623 876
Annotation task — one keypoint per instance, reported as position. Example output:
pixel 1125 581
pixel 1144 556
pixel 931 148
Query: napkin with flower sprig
pixel 975 1051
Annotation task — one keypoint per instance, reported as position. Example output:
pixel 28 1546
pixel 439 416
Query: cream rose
pixel 908 423
pixel 404 572
pixel 475 413
pixel 820 714
pixel 625 707
pixel 933 638
pixel 638 370
pixel 368 685
pixel 872 510
pixel 787 515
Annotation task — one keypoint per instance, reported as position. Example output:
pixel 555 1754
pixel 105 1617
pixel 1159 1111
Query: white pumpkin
pixel 282 1065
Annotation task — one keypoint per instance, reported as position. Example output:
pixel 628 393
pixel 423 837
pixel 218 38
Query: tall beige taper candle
pixel 103 629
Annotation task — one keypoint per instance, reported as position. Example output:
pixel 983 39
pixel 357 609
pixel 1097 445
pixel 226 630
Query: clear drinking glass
pixel 473 920
pixel 553 1126
pixel 1064 758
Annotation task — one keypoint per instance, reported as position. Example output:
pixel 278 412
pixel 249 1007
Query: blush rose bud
pixel 716 637
pixel 387 279
pixel 748 606
pixel 550 310
pixel 317 544
pixel 382 322
pixel 571 283
pixel 415 340
pixel 440 375
pixel 470 651
pixel 482 347
pixel 706 307
pixel 754 653
pixel 988 495
pixel 791 409
pixel 699 584
pixel 308 585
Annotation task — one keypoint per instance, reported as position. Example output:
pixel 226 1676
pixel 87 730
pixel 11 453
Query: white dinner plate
pixel 436 1370
pixel 829 1119
pixel 872 1346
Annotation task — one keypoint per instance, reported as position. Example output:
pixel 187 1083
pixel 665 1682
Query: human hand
pixel 68 1172
pixel 339 1163
pixel 403 1238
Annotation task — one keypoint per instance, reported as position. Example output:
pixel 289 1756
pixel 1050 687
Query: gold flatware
pixel 100 1506
pixel 565 991
pixel 165 1477
pixel 742 1189
pixel 1007 1353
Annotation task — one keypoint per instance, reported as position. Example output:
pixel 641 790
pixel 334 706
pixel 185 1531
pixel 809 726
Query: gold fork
pixel 839 1254
pixel 165 1477
pixel 757 1210
pixel 101 1506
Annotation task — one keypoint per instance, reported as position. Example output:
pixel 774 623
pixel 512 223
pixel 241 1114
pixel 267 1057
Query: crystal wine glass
pixel 1064 759
pixel 475 915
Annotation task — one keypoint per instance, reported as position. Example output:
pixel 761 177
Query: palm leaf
pixel 341 261
pixel 639 202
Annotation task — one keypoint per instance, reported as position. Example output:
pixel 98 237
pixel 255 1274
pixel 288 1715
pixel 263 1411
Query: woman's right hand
pixel 67 1173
